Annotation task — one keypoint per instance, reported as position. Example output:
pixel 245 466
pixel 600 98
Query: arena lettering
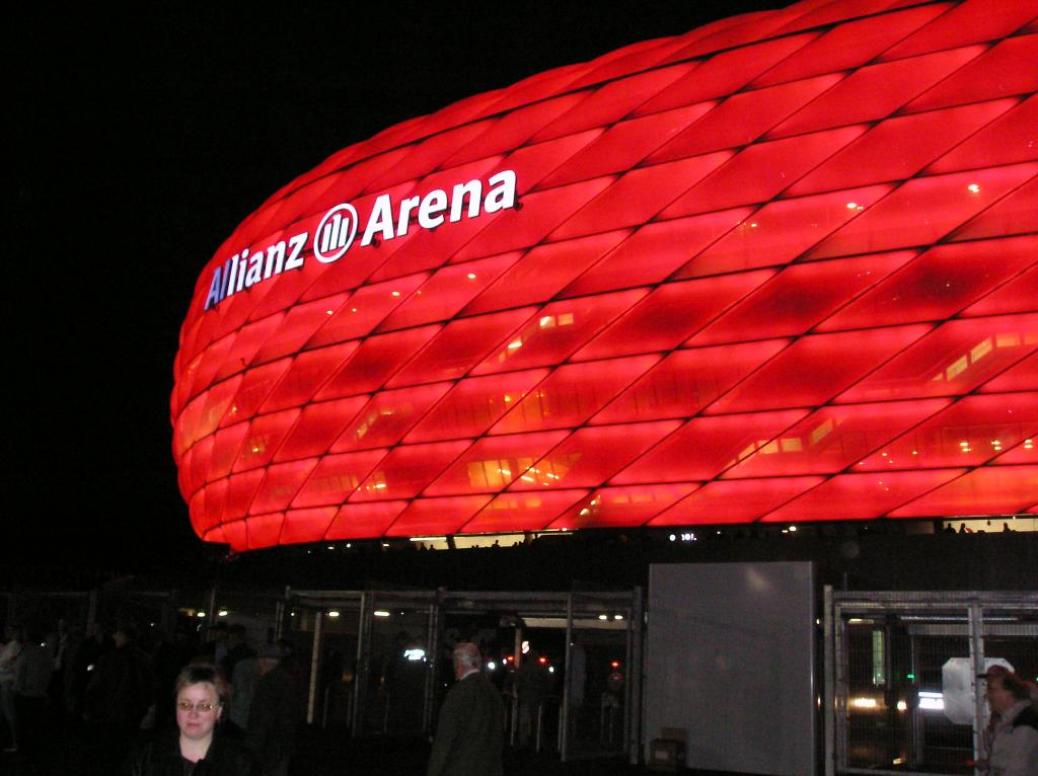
pixel 340 224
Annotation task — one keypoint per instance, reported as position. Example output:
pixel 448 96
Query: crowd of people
pixel 197 702
pixel 209 703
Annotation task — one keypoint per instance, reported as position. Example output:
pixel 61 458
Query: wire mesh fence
pixel 903 678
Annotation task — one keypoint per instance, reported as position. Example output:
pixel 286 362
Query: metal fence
pixel 903 693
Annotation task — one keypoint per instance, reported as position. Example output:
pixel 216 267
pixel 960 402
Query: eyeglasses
pixel 202 707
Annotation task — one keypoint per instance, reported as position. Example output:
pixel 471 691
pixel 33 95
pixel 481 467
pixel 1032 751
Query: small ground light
pixel 792 529
pixel 618 616
pixel 380 613
pixel 200 615
pixel 333 613
pixel 491 666
pixel 603 616
pixel 222 613
pixel 551 669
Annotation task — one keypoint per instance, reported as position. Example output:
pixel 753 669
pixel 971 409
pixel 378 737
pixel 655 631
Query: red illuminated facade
pixel 783 267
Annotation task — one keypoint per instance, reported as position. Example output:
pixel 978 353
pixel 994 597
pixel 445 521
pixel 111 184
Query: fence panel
pixel 903 676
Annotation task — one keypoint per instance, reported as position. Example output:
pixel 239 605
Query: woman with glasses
pixel 196 748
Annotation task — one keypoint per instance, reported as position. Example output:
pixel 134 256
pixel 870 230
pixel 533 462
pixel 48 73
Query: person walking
pixel 118 695
pixel 470 731
pixel 8 657
pixel 271 730
pixel 32 673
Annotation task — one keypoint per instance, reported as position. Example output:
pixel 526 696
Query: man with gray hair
pixel 470 733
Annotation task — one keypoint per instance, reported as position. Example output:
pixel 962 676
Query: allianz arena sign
pixel 783 267
pixel 337 230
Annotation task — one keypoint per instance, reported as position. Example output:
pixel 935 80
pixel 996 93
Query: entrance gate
pixel 380 662
pixel 902 687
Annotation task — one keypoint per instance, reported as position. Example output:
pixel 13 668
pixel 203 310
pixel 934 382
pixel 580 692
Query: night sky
pixel 140 142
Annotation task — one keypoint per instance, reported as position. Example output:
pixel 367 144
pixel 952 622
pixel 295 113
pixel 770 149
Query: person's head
pixel 267 658
pixel 1005 690
pixel 286 648
pixel 124 634
pixel 236 634
pixel 217 633
pixel 200 693
pixel 466 658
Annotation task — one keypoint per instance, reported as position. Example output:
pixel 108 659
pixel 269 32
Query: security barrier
pixel 903 686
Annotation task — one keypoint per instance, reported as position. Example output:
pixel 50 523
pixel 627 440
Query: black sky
pixel 139 142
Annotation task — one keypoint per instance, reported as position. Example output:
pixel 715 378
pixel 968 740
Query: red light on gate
pixel 542 660
pixel 614 664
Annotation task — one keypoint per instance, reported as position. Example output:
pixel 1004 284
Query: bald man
pixel 470 733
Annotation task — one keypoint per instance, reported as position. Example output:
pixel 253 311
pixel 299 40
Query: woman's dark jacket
pixel 161 757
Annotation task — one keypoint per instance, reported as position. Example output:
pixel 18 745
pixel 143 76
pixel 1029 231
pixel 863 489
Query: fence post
pixel 517 655
pixel 315 662
pixel 635 669
pixel 829 704
pixel 840 685
pixel 360 672
pixel 564 710
pixel 432 667
pixel 976 628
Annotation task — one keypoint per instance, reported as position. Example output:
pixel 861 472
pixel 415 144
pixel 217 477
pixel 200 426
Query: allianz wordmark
pixel 338 229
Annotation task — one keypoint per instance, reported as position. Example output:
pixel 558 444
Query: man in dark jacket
pixel 470 733
pixel 273 713
pixel 238 649
pixel 118 695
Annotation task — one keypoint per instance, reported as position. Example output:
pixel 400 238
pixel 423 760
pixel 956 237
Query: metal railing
pixel 902 686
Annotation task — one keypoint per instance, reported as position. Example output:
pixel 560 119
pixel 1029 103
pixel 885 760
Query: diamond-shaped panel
pixel 780 268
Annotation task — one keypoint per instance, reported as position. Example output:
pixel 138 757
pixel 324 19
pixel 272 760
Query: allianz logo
pixel 337 231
